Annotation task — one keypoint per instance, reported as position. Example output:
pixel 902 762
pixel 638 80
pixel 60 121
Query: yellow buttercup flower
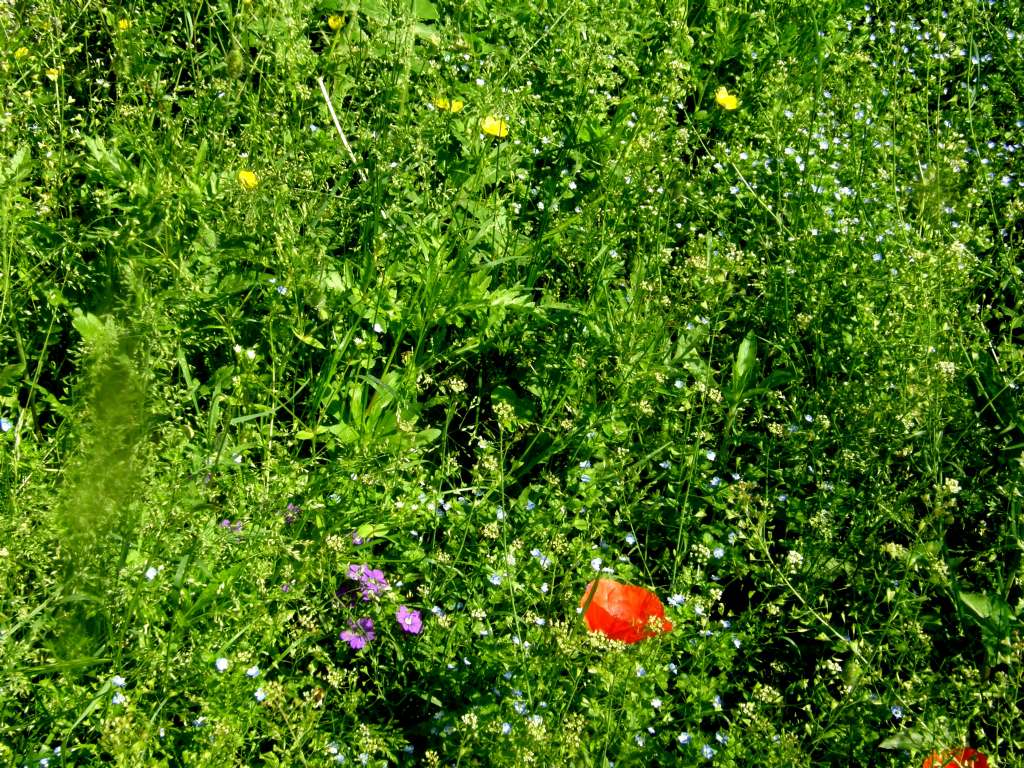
pixel 494 126
pixel 248 180
pixel 21 53
pixel 124 24
pixel 334 22
pixel 725 99
pixel 53 74
pixel 449 105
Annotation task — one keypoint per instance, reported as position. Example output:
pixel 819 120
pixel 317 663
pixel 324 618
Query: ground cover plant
pixel 344 343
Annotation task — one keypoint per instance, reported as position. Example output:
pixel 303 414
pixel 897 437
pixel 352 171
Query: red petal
pixel 960 757
pixel 623 611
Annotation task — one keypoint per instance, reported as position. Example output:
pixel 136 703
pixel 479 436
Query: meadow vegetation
pixel 343 342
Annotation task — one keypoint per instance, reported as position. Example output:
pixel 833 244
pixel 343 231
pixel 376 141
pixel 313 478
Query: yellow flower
pixel 725 99
pixel 248 180
pixel 494 126
pixel 21 53
pixel 124 25
pixel 449 105
pixel 334 22
pixel 53 73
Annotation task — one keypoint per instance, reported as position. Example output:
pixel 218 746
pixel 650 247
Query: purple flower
pixel 371 580
pixel 225 523
pixel 359 633
pixel 373 583
pixel 410 621
pixel 291 512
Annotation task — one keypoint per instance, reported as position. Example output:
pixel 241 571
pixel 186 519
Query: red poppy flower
pixel 623 611
pixel 960 757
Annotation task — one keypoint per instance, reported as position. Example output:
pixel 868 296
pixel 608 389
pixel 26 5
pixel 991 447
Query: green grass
pixel 765 361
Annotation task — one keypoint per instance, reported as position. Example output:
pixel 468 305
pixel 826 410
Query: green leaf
pixel 906 740
pixel 746 358
pixel 978 603
pixel 10 373
pixel 424 10
pixel 306 339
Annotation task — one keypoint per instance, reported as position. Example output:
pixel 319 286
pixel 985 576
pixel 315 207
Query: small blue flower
pixel 711 455
pixel 708 752
pixel 718 552
pixel 897 712
pixel 684 738
pixel 5 424
pixel 260 694
pixel 630 539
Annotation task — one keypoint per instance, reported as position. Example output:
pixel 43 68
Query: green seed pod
pixel 234 63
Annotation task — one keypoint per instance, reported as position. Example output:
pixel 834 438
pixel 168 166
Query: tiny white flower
pixel 117 681
pixel 260 694
pixel 252 671
pixel 151 573
pixel 119 699
pixel 222 664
